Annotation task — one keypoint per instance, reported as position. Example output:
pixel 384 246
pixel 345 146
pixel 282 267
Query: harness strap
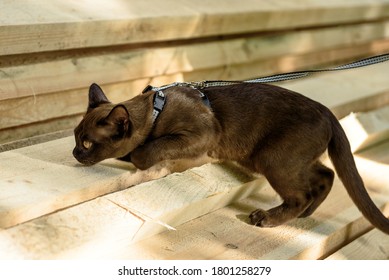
pixel 160 100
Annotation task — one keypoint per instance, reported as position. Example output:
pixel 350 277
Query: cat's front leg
pixel 162 169
pixel 177 150
pixel 157 171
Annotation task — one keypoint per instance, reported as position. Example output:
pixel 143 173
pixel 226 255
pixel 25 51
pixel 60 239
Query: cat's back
pixel 255 100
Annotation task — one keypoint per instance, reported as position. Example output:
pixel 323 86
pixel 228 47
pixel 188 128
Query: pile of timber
pixel 52 207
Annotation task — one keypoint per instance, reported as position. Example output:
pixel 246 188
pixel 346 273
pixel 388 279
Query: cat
pixel 264 128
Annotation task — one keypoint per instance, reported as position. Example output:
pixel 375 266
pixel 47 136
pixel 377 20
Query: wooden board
pixel 43 73
pixel 115 22
pixel 133 214
pixel 366 129
pixel 13 134
pixel 29 141
pixel 373 245
pixel 43 178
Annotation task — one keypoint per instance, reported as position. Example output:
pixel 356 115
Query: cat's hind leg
pixel 302 192
pixel 321 182
pixel 293 190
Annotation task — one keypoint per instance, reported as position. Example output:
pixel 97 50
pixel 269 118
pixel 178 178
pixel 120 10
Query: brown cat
pixel 267 129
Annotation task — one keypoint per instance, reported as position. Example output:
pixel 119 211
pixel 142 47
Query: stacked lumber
pixel 51 207
pixel 51 52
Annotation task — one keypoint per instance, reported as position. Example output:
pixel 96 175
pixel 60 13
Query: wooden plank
pixel 42 178
pixel 116 23
pixel 366 129
pixel 22 111
pixel 176 199
pixel 29 110
pixel 29 141
pixel 373 245
pixel 38 74
pixel 226 234
pixel 179 197
pixel 13 134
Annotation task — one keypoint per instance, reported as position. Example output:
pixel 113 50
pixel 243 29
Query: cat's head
pixel 102 132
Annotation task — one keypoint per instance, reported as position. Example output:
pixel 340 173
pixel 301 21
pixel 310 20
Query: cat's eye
pixel 87 144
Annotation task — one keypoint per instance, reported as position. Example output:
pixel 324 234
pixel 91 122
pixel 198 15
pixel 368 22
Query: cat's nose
pixel 79 156
pixel 76 153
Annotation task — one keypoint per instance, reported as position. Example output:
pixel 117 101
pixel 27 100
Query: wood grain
pixel 373 245
pixel 366 129
pixel 37 26
pixel 136 217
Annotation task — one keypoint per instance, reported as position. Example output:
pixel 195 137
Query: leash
pixel 160 98
pixel 276 78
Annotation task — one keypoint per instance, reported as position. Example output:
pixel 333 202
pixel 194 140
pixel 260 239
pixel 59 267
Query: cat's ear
pixel 118 120
pixel 96 96
pixel 118 114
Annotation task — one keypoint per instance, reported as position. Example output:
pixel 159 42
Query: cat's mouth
pixel 85 162
pixel 82 160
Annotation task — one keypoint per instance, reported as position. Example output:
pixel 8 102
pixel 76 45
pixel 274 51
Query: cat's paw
pixel 260 218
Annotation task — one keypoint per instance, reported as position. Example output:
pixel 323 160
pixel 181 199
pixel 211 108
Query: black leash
pixel 160 98
pixel 278 77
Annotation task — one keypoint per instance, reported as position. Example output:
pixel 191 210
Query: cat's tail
pixel 343 160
